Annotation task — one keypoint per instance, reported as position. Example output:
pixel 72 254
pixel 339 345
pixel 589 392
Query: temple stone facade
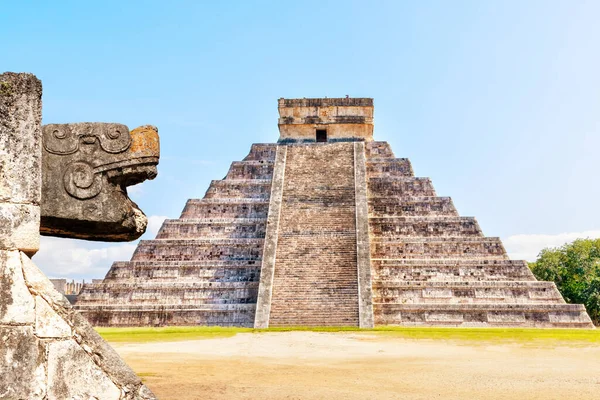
pixel 326 227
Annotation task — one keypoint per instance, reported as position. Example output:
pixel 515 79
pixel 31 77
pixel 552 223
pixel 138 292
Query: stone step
pixel 394 167
pixel 466 292
pixel 399 186
pixel 226 208
pixel 438 247
pixel 396 206
pixel 430 226
pixel 418 270
pixel 239 188
pixel 222 228
pixel 198 249
pixel 504 315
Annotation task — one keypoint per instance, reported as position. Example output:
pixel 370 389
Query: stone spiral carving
pixel 81 182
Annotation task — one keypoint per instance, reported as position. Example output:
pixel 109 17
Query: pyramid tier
pixel 448 270
pixel 436 226
pixel 438 247
pixel 397 167
pixel 226 208
pixel 184 271
pixel 216 228
pixel 255 169
pixel 262 152
pixel 490 315
pixel 239 188
pixel 198 249
pixel 188 293
pixel 400 186
pixel 375 151
pixel 426 206
pixel 241 315
pixel 454 292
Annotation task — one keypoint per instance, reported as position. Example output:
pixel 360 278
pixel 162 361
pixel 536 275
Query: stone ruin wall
pixel 48 350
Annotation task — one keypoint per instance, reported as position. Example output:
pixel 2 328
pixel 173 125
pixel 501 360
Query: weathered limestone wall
pixel 48 351
pixel 20 162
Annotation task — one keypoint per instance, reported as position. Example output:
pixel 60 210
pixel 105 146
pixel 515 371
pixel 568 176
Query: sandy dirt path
pixel 309 365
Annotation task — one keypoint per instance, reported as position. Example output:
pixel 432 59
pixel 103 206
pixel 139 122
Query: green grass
pixel 522 335
pixel 167 334
pixel 500 335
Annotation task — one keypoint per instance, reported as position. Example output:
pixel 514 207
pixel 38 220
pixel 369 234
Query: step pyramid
pixel 326 227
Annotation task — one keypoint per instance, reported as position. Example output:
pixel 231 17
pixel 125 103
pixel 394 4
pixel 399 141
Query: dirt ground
pixel 310 365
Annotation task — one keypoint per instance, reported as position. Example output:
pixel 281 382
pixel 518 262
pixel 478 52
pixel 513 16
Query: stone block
pixel 48 324
pixel 20 138
pixel 72 374
pixel 20 227
pixel 20 161
pixel 16 302
pixel 22 364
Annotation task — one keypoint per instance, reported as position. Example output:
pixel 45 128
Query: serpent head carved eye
pixel 59 134
pixel 81 182
pixel 114 134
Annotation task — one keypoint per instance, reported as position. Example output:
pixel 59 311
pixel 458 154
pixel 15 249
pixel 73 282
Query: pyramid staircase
pixel 315 281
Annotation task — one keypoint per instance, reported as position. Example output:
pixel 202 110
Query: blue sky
pixel 497 101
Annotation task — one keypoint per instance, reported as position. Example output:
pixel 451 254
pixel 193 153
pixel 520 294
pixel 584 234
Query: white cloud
pixel 527 247
pixel 154 224
pixel 80 259
pixel 135 190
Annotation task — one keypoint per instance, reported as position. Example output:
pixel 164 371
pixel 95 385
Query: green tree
pixel 575 268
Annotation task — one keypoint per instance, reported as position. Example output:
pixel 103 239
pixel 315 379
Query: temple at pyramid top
pixel 325 120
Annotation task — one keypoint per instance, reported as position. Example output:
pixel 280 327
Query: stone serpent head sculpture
pixel 86 168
